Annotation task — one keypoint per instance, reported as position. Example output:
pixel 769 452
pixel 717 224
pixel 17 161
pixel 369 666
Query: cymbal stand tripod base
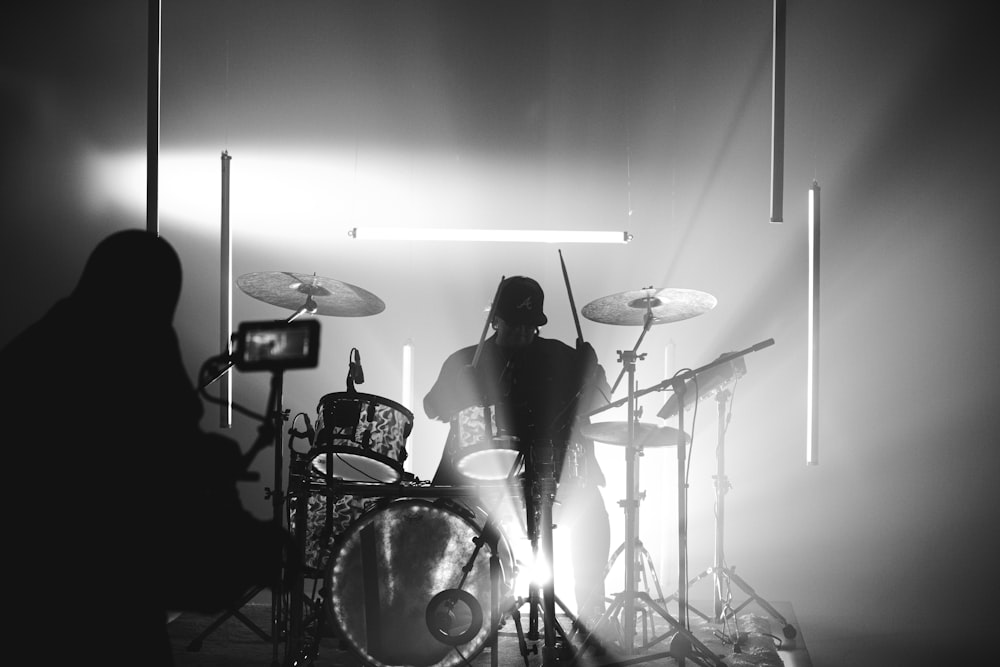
pixel 644 565
pixel 721 574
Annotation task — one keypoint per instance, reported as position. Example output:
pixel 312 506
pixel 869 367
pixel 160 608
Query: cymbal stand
pixel 721 573
pixel 684 644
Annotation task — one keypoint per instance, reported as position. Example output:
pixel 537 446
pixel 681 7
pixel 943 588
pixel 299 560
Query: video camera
pixel 276 345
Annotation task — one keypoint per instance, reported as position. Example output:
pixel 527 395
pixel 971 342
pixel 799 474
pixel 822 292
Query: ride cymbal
pixel 296 291
pixel 661 304
pixel 646 435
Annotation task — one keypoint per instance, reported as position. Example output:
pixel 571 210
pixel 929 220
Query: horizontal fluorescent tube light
pixel 489 235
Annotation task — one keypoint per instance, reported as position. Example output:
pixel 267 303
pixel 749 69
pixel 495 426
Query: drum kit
pixel 408 567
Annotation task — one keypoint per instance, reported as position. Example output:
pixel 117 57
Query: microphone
pixel 359 373
pixel 355 374
pixel 453 616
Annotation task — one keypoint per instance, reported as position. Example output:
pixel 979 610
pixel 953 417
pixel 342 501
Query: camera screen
pixel 274 346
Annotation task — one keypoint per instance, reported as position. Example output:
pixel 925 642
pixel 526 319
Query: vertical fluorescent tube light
pixel 812 337
pixel 407 393
pixel 778 113
pixel 153 117
pixel 226 297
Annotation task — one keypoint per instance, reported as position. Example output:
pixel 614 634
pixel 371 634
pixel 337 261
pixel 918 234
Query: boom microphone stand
pixel 719 571
pixel 678 382
pixel 684 644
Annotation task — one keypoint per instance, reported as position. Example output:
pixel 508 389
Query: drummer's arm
pixel 597 392
pixel 454 389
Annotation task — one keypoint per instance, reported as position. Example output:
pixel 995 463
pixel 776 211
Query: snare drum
pixel 484 450
pixel 360 437
pixel 410 584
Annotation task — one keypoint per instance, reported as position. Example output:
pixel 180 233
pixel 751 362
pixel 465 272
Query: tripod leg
pixel 522 644
pixel 607 618
pixel 691 582
pixel 643 553
pixel 684 644
pixel 787 629
pixel 195 643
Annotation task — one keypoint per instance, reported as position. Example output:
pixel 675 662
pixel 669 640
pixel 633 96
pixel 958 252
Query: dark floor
pixel 244 640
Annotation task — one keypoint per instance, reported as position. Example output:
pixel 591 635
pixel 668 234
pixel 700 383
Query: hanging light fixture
pixel 487 235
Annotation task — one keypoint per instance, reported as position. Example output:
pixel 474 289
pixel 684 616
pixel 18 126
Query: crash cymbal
pixel 646 435
pixel 296 291
pixel 663 304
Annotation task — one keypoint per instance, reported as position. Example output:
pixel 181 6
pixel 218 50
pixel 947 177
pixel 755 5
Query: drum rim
pixel 464 513
pixel 353 396
pixel 378 457
pixel 467 513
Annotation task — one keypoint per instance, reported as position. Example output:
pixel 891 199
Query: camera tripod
pixel 277 416
pixel 721 573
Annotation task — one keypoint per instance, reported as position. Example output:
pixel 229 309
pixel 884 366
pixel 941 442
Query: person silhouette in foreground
pixel 538 390
pixel 120 508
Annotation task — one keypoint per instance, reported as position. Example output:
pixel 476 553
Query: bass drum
pixel 407 585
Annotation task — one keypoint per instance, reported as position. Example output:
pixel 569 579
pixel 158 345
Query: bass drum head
pixel 397 582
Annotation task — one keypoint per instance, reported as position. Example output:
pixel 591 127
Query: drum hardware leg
pixel 312 634
pixel 644 565
pixel 542 486
pixel 491 537
pixel 522 644
pixel 722 574
pixel 534 592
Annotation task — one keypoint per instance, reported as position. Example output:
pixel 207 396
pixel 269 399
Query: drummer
pixel 538 389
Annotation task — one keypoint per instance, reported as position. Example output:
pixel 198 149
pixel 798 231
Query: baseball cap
pixel 520 301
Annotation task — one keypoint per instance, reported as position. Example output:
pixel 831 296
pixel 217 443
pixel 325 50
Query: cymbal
pixel 299 290
pixel 664 304
pixel 646 435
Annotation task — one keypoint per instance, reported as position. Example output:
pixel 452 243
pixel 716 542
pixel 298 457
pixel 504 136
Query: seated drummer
pixel 540 388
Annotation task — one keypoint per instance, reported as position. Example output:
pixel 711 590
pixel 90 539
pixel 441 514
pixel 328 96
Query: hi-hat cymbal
pixel 662 304
pixel 296 291
pixel 646 435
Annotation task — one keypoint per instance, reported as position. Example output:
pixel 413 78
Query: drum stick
pixel 572 304
pixel 486 325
